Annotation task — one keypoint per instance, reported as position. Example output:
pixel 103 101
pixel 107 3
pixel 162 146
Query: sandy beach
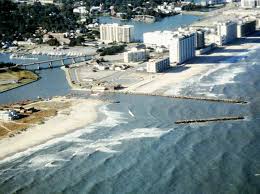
pixel 158 82
pixel 161 82
pixel 81 113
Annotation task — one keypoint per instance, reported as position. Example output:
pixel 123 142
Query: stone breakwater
pixel 209 120
pixel 224 100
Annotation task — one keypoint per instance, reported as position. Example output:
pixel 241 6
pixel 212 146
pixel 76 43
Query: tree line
pixel 19 21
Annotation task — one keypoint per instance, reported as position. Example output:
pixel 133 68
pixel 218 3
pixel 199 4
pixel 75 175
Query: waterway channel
pixel 53 81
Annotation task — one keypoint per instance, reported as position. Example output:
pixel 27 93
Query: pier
pixel 233 101
pixel 209 120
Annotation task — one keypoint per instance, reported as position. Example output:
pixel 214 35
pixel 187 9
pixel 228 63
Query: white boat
pixel 17 56
pixel 130 112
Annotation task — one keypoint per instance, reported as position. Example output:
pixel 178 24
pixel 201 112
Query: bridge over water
pixel 66 61
pixel 50 63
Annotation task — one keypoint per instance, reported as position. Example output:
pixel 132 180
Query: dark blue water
pixel 168 23
pixel 148 153
pixel 135 147
pixel 53 81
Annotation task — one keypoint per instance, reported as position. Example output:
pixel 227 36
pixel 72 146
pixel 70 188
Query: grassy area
pixel 20 77
pixel 46 109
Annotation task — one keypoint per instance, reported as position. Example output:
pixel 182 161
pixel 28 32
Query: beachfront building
pixel 135 55
pixel 182 47
pixel 45 1
pixel 116 33
pixel 199 39
pixel 158 65
pixel 8 115
pixel 163 38
pixel 82 10
pixel 158 38
pixel 245 28
pixel 214 2
pixel 5 116
pixel 227 32
pixel 250 3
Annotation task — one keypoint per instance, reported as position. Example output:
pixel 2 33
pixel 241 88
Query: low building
pixel 166 7
pixel 80 10
pixel 245 28
pixel 212 38
pixel 136 55
pixel 215 2
pixel 45 1
pixel 5 116
pixel 158 65
pixel 9 115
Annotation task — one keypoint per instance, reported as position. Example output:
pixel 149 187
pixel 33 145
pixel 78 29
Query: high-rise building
pixel 136 55
pixel 116 33
pixel 158 65
pixel 199 39
pixel 163 38
pixel 158 38
pixel 182 47
pixel 257 3
pixel 250 3
pixel 227 31
pixel 245 27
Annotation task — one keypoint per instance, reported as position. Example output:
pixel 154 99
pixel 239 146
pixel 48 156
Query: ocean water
pixel 135 146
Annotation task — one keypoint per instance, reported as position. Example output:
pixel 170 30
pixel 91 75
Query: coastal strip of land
pixel 12 79
pixel 76 114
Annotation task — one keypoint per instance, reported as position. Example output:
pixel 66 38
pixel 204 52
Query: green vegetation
pixel 93 34
pixel 111 50
pixel 2 64
pixel 15 77
pixel 53 42
pixel 134 3
pixel 19 21
pixel 193 7
pixel 77 41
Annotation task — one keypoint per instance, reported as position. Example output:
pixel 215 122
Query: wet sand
pixel 81 113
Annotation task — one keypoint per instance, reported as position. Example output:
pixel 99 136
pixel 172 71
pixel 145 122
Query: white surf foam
pixel 112 118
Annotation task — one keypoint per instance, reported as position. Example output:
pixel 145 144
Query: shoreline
pixel 23 84
pixel 172 79
pixel 81 113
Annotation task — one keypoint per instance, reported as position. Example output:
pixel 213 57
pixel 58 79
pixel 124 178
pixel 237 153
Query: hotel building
pixel 227 31
pixel 245 27
pixel 116 33
pixel 250 3
pixel 182 47
pixel 158 65
pixel 158 38
pixel 136 55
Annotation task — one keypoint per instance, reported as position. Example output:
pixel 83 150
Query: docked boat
pixel 24 57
